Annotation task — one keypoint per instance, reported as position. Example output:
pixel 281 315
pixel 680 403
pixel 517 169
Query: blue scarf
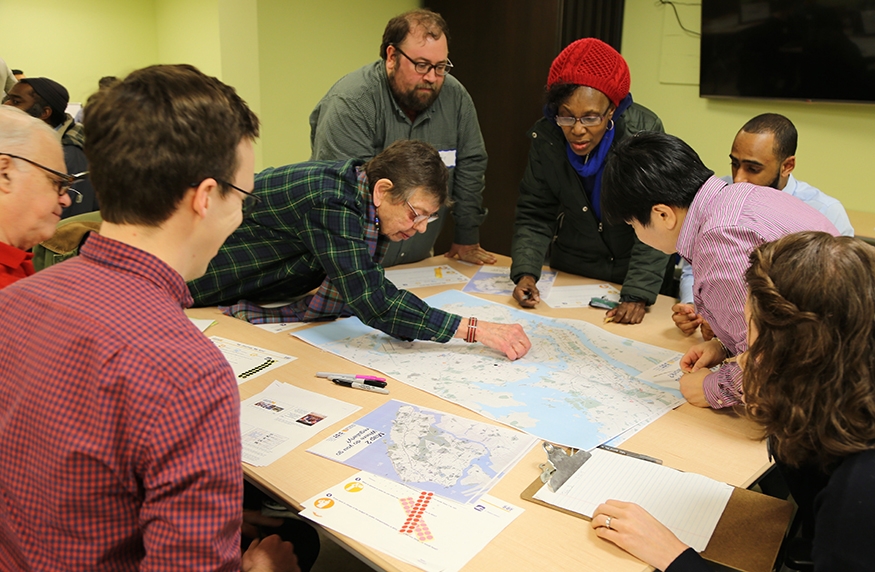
pixel 593 164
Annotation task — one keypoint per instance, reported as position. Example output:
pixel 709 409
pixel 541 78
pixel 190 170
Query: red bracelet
pixel 472 331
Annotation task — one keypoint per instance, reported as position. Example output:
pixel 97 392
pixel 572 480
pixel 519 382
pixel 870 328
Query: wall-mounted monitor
pixel 813 50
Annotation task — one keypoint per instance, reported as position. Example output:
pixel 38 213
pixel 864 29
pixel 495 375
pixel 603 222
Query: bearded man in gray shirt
pixel 409 94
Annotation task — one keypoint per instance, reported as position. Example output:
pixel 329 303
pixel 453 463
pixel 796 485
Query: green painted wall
pixel 188 32
pixel 78 42
pixel 836 141
pixel 304 47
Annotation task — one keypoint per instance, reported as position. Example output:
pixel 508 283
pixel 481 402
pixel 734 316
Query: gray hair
pixel 18 130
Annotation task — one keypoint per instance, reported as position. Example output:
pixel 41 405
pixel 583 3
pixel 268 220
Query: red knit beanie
pixel 595 64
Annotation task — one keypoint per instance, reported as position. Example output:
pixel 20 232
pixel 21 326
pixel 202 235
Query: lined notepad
pixel 688 504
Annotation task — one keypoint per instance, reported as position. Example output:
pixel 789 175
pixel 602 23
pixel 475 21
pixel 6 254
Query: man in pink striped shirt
pixel 657 184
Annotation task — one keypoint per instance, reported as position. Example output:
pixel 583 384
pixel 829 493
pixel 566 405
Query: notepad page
pixel 688 504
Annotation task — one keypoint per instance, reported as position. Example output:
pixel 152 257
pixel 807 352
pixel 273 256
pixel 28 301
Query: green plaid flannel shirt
pixel 311 224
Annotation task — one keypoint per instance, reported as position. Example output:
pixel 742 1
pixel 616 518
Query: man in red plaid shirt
pixel 119 428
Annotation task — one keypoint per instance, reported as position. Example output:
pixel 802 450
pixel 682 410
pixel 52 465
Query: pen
pixel 366 379
pixel 348 376
pixel 631 454
pixel 359 385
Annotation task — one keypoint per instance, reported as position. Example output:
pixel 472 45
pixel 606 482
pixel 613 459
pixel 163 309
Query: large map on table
pixel 578 386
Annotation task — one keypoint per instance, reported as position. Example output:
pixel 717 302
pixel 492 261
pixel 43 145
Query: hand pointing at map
pixel 510 339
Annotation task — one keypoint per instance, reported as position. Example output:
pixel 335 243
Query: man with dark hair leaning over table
pixel 409 93
pixel 327 225
pixel 120 435
pixel 659 186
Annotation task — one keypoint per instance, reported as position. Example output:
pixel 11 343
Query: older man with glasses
pixel 409 94
pixel 33 190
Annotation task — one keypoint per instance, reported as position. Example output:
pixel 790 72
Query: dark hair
pixel 154 134
pixel 56 118
pixel 399 27
pixel 411 165
pixel 107 81
pixel 649 169
pixel 809 377
pixel 783 129
pixel 16 72
pixel 556 95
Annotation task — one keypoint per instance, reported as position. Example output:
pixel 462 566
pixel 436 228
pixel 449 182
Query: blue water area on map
pixel 552 414
pixel 375 458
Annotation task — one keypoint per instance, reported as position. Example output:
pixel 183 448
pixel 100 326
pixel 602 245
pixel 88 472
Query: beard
pixel 412 99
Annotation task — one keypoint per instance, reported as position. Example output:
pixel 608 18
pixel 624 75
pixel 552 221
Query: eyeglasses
pixel 250 201
pixel 418 218
pixel 586 120
pixel 62 183
pixel 422 68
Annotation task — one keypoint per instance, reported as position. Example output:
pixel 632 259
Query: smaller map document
pixel 496 280
pixel 445 454
pixel 579 296
pixel 407 278
pixel 418 527
pixel 250 361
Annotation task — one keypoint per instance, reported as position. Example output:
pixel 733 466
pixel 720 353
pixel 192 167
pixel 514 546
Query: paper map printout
pixel 430 532
pixel 448 455
pixel 578 386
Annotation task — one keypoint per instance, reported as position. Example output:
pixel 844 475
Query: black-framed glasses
pixel 62 183
pixel 418 218
pixel 422 68
pixel 586 120
pixel 250 201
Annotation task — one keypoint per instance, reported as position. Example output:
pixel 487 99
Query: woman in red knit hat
pixel 588 108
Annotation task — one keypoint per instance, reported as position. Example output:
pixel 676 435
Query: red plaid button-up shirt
pixel 119 422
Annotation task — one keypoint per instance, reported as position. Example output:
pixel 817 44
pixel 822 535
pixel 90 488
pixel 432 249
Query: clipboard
pixel 748 534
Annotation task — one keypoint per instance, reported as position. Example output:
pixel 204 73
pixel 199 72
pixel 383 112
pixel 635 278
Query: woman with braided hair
pixel 809 382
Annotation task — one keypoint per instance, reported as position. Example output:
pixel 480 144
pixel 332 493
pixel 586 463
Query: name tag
pixel 448 157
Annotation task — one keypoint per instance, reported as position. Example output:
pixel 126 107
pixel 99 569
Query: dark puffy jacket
pixel 553 206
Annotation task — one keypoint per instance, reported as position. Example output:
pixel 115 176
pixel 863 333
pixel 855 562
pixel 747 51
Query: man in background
pixel 132 434
pixel 33 190
pixel 409 94
pixel 47 100
pixel 763 153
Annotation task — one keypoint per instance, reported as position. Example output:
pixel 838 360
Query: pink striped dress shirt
pixel 722 226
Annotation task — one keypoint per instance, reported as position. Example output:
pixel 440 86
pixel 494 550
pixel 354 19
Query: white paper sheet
pixel 202 324
pixel 579 296
pixel 407 278
pixel 281 326
pixel 283 416
pixel 425 530
pixel 250 361
pixel 688 504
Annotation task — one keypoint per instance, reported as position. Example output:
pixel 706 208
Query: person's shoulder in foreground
pixel 141 456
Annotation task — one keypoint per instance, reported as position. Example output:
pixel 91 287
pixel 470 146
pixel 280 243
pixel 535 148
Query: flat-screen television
pixel 813 50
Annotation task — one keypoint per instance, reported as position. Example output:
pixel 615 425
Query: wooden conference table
pixel 718 444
